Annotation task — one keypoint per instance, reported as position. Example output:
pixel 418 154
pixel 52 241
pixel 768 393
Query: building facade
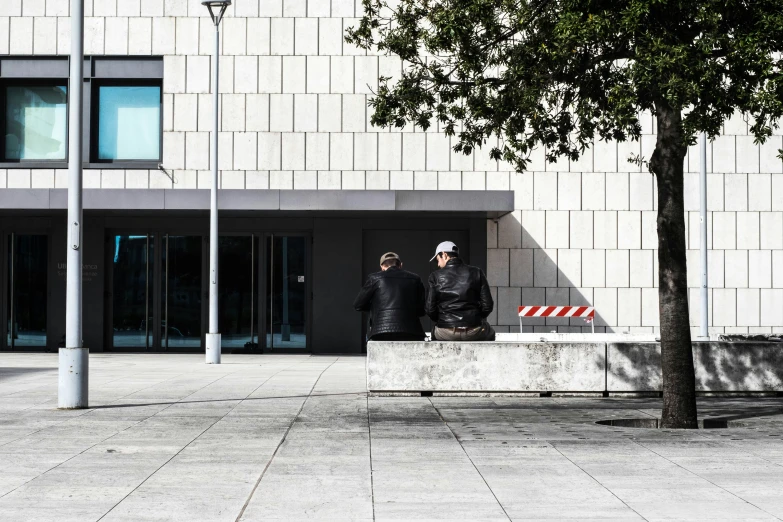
pixel 312 194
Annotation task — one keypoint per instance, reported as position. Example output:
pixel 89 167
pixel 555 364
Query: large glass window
pixel 129 123
pixel 36 125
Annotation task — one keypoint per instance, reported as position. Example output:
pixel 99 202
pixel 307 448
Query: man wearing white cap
pixel 459 300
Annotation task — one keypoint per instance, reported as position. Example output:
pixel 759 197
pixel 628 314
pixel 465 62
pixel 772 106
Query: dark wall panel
pixel 478 242
pixel 337 270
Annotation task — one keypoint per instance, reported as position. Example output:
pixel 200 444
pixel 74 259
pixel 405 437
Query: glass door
pixel 181 292
pixel 26 291
pixel 237 292
pixel 286 292
pixel 133 263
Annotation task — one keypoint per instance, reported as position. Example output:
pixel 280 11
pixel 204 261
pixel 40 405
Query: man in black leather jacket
pixel 395 299
pixel 459 300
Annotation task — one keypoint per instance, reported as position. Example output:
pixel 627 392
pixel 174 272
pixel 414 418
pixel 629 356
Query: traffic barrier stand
pixel 585 312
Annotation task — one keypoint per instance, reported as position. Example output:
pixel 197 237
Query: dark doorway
pixel 26 291
pixel 133 267
pixel 286 293
pixel 156 283
pixel 182 288
pixel 237 287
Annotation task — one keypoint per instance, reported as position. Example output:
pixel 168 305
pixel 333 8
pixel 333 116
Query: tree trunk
pixel 679 383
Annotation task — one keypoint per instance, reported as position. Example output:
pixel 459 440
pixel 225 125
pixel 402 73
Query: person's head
pixel 445 251
pixel 390 260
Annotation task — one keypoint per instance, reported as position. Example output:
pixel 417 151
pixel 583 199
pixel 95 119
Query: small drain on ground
pixel 653 423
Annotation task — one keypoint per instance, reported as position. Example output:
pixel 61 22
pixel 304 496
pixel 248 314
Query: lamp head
pixel 216 9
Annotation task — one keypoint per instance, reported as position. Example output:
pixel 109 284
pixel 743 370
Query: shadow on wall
pixel 522 273
pixel 719 366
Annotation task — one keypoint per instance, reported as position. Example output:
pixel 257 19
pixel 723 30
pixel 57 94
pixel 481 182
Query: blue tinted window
pixel 36 123
pixel 129 123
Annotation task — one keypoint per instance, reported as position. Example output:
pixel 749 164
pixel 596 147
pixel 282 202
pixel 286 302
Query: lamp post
pixel 704 330
pixel 74 359
pixel 217 8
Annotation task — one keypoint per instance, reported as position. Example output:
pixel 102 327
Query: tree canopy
pixel 560 73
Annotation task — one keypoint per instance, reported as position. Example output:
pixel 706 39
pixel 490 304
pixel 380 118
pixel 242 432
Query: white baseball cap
pixel 446 246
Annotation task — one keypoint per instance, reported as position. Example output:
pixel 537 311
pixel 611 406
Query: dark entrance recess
pixel 238 267
pixel 287 282
pixel 26 291
pixel 156 289
pixel 286 293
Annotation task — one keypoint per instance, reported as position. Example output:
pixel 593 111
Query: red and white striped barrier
pixel 586 312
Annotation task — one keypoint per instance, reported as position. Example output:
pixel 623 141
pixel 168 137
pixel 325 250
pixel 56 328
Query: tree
pixel 559 74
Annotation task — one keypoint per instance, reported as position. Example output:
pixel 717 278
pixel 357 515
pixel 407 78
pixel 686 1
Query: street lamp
pixel 217 8
pixel 74 358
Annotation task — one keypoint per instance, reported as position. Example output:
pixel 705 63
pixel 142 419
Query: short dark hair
pixel 451 255
pixel 391 262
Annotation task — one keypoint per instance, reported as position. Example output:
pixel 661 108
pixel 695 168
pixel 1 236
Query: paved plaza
pixel 290 437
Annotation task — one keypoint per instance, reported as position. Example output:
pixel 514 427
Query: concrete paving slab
pixel 297 438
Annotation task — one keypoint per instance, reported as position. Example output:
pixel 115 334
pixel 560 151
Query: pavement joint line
pixel 749 454
pixel 597 481
pixel 468 456
pixel 282 440
pixel 90 410
pixel 194 438
pixel 71 458
pixel 708 480
pixel 231 400
pixel 369 440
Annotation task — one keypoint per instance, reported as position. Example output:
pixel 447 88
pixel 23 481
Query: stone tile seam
pixel 87 411
pixel 429 399
pixel 706 479
pixel 369 441
pixel 194 438
pixel 282 440
pixel 554 446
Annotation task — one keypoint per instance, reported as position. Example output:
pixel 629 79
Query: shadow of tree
pixel 719 366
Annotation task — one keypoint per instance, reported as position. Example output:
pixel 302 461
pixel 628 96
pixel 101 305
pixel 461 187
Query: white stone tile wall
pixel 294 116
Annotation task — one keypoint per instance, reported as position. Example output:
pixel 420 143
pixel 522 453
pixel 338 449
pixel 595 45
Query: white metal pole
pixel 74 358
pixel 213 337
pixel 704 323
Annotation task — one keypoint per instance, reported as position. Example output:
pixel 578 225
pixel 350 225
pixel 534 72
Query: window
pixel 36 122
pixel 128 122
pixel 122 102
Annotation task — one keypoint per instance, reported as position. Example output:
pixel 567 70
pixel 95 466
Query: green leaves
pixel 559 73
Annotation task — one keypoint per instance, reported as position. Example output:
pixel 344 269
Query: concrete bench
pixel 601 366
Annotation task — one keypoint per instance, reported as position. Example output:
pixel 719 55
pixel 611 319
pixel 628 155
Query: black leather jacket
pixel 396 300
pixel 459 295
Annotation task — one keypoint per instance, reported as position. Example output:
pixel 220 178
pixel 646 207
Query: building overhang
pixel 493 202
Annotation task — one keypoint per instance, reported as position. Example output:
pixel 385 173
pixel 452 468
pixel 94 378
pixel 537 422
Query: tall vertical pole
pixel 285 328
pixel 213 337
pixel 704 333
pixel 74 358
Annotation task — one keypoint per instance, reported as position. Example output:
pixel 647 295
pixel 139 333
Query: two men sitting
pixel 458 300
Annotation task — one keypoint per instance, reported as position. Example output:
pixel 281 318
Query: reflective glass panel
pixel 235 302
pixel 286 293
pixel 36 123
pixel 28 256
pixel 132 306
pixel 182 290
pixel 129 123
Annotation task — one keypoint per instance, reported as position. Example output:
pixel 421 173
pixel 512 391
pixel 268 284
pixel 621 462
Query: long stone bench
pixel 544 367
